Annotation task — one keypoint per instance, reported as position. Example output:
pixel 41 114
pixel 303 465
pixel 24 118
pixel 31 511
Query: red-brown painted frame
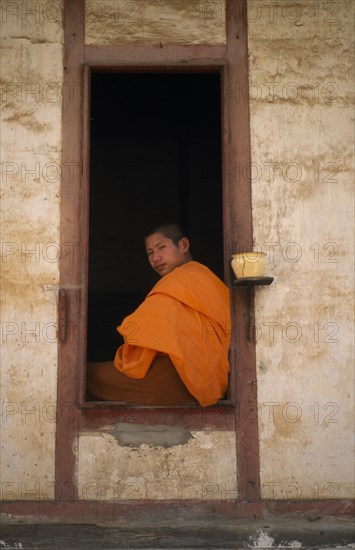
pixel 89 68
pixel 74 414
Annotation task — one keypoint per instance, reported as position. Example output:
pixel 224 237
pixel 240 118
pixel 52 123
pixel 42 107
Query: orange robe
pixel 187 316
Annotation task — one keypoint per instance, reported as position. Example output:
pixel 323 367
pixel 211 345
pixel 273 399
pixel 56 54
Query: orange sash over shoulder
pixel 187 316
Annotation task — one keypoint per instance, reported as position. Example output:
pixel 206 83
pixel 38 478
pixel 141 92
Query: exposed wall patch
pixel 134 435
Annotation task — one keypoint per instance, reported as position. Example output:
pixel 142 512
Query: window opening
pixel 155 156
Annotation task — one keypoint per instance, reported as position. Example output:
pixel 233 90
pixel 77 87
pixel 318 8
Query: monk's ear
pixel 184 244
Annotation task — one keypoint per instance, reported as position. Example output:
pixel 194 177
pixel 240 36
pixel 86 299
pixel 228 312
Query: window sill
pixel 124 405
pixel 94 415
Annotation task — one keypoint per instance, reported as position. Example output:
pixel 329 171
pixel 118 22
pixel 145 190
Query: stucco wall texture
pixel 302 116
pixel 301 104
pixel 204 468
pixel 173 22
pixel 31 102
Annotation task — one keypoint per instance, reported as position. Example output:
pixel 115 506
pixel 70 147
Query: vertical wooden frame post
pixel 69 352
pixel 239 236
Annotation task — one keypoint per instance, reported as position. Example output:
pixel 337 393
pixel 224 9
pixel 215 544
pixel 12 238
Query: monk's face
pixel 164 255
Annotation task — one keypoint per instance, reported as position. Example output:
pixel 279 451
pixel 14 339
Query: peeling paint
pixel 135 435
pixel 28 120
pixel 203 468
pixel 263 540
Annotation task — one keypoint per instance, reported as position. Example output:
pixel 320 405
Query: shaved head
pixel 171 231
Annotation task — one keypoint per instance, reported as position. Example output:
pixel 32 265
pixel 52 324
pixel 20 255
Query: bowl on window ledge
pixel 248 265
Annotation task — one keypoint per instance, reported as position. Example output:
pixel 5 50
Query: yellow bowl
pixel 248 264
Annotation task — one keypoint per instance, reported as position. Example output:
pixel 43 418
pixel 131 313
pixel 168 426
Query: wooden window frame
pixel 74 413
pixel 162 69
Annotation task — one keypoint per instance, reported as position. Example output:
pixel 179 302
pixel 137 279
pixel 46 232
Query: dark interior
pixel 155 156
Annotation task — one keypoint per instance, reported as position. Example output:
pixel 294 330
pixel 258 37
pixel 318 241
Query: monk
pixel 176 343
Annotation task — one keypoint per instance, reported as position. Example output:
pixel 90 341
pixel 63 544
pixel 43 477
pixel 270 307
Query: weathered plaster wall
pixel 301 125
pixel 203 467
pixel 301 86
pixel 142 21
pixel 31 100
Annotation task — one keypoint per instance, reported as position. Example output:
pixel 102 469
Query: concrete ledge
pixel 286 533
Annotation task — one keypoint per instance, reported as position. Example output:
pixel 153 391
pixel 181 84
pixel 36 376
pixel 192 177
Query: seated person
pixel 177 340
